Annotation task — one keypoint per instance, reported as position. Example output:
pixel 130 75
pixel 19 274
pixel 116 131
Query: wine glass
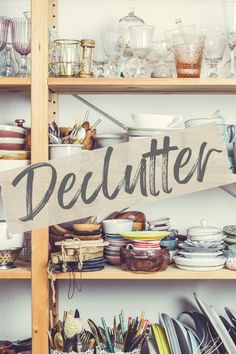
pixel 215 43
pixel 4 25
pixel 113 45
pixel 21 41
pixel 230 24
pixel 141 37
pixel 160 51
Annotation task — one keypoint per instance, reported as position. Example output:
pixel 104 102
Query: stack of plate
pixel 112 251
pixel 161 224
pixel 90 232
pixel 230 233
pixel 145 240
pixel 203 249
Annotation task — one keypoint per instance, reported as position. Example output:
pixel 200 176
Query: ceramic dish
pixel 199 262
pixel 11 131
pixel 114 260
pixel 144 261
pixel 230 240
pixel 14 155
pixel 200 254
pixel 117 226
pixel 145 120
pixel 230 230
pixel 145 235
pixel 12 143
pixel 86 227
pixel 103 140
pixel 199 269
pixel 184 247
pixel 204 244
pixel 57 151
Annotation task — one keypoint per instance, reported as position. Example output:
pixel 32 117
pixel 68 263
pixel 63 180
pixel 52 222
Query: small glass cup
pixel 65 59
pixel 188 53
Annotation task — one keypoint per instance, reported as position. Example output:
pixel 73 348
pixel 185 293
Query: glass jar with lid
pixel 123 28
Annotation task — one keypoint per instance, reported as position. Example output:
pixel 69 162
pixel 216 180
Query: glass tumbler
pixel 188 53
pixel 65 57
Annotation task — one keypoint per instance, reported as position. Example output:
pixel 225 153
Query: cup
pixel 6 347
pixel 188 53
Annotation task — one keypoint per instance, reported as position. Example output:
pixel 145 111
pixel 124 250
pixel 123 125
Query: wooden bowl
pixel 139 226
pixel 86 227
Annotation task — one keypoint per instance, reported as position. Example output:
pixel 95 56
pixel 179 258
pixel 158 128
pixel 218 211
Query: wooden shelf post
pixel 39 125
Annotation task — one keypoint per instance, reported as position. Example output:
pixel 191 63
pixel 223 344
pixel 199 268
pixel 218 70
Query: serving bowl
pixel 87 227
pixel 117 226
pixel 12 143
pixel 145 120
pixel 11 131
pixel 144 260
pixel 8 257
pixel 103 140
pixel 62 150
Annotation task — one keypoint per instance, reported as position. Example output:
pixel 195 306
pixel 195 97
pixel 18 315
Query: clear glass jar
pixel 123 28
pixel 65 59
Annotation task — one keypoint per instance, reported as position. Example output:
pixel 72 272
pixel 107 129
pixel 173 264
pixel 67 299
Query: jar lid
pixel 203 229
pixel 131 17
pixel 87 43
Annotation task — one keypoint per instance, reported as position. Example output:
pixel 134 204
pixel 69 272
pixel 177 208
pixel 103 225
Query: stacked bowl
pixel 12 147
pixel 202 251
pixel 230 234
pixel 112 231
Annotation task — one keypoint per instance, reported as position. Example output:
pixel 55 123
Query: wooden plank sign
pixel 103 180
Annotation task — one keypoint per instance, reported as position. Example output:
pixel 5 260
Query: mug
pixel 6 347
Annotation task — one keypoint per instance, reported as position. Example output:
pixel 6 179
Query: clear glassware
pixel 10 61
pixel 214 49
pixel 188 53
pixel 160 51
pixel 113 47
pixel 123 26
pixel 99 57
pixel 65 59
pixel 21 41
pixel 230 25
pixel 141 38
pixel 4 25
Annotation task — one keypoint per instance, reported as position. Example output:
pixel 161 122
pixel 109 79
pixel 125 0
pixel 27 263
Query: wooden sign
pixel 108 179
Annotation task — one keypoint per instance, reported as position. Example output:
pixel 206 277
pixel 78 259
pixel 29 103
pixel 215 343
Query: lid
pixel 203 229
pixel 131 18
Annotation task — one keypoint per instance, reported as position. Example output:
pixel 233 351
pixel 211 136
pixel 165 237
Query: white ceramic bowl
pixel 145 120
pixel 8 240
pixel 103 140
pixel 12 143
pixel 61 150
pixel 117 226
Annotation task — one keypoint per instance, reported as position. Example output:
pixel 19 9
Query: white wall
pixel 108 297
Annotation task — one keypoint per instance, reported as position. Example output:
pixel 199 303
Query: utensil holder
pixel 135 351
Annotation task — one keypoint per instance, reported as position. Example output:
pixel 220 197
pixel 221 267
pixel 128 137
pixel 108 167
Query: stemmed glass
pixel 113 45
pixel 215 43
pixel 230 24
pixel 141 38
pixel 21 41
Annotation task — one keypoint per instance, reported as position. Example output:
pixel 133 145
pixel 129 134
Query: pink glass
pixel 21 41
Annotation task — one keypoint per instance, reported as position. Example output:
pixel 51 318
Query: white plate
pixel 199 269
pixel 229 240
pixel 200 254
pixel 191 262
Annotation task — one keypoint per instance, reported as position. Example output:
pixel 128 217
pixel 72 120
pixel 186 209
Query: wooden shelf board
pixel 15 84
pixel 172 273
pixel 136 85
pixel 23 271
